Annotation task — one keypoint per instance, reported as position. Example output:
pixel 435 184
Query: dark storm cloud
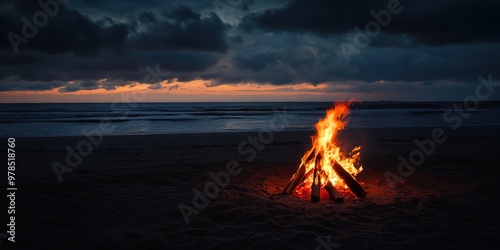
pixel 298 64
pixel 426 22
pixel 67 31
pixel 258 61
pixel 177 28
pixel 73 87
pixel 118 7
pixel 26 85
pixel 120 70
pixel 113 84
pixel 320 16
pixel 180 28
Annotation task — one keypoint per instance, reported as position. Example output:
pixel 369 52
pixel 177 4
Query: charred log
pixel 355 187
pixel 299 175
pixel 333 192
pixel 316 184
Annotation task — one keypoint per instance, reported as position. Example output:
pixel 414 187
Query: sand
pixel 126 194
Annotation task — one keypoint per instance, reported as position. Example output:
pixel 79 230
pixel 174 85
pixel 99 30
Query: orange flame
pixel 325 145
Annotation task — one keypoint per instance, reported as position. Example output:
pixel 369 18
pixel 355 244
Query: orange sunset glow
pixel 196 90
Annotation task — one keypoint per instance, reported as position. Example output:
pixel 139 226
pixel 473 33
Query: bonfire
pixel 325 165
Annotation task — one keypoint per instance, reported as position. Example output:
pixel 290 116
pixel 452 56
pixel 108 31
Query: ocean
pixel 44 120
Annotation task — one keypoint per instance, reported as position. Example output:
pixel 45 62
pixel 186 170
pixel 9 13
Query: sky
pixel 246 50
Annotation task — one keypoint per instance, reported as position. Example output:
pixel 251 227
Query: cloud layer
pixel 87 45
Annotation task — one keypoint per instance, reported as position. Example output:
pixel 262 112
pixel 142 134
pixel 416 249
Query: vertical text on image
pixel 11 188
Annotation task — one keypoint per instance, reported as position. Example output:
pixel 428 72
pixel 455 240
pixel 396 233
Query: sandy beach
pixel 126 194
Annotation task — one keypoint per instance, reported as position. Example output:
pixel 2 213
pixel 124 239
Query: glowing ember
pixel 325 153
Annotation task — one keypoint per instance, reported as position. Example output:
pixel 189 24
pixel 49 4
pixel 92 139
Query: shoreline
pixel 240 133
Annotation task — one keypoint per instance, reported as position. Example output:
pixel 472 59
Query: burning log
pixel 295 180
pixel 333 192
pixel 297 177
pixel 316 184
pixel 355 187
